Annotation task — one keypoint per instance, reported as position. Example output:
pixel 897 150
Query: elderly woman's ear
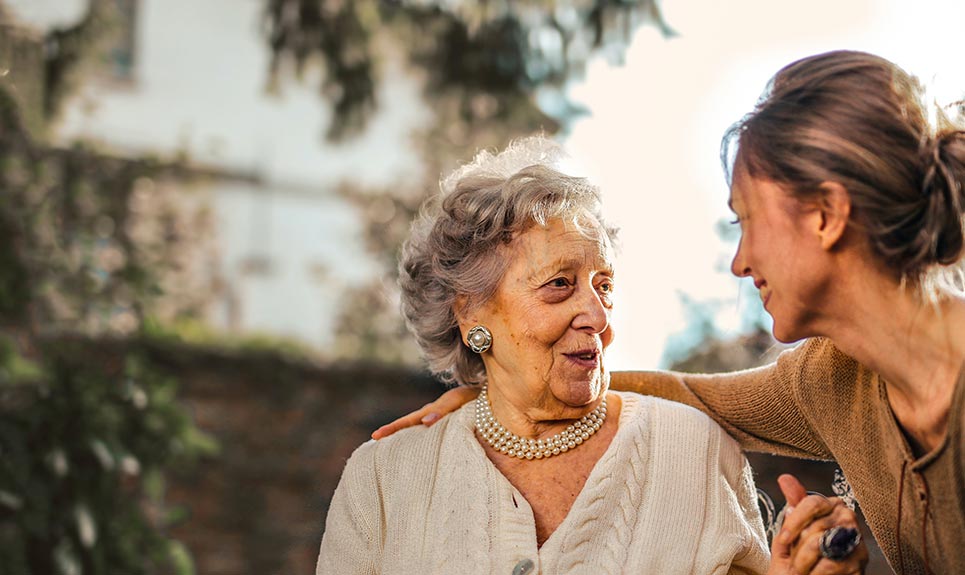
pixel 475 335
pixel 465 322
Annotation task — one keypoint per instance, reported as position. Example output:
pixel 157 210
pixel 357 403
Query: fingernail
pixel 788 510
pixel 430 418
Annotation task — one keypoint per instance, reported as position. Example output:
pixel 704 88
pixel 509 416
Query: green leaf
pixel 180 558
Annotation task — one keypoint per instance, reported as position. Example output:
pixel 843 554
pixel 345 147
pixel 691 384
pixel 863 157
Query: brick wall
pixel 285 428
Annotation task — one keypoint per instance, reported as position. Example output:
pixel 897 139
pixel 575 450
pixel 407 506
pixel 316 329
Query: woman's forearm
pixel 758 407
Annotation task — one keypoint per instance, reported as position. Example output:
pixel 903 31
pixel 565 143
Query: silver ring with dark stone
pixel 839 542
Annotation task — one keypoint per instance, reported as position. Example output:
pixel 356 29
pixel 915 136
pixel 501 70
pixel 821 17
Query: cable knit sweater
pixel 672 494
pixel 817 402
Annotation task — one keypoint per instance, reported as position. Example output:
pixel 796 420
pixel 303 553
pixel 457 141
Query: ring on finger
pixel 839 542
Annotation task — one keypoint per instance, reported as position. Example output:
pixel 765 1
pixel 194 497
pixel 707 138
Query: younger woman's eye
pixel 735 221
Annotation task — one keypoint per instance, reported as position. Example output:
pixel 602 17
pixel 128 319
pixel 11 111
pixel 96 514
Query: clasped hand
pixel 796 549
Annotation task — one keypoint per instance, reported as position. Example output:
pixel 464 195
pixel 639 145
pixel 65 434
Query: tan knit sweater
pixel 817 402
pixel 671 495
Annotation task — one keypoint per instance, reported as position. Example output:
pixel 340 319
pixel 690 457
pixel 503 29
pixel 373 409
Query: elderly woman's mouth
pixel 589 358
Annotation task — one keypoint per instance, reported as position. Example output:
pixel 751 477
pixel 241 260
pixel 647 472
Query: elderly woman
pixel 507 283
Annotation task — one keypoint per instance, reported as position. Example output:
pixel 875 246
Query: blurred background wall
pixel 202 202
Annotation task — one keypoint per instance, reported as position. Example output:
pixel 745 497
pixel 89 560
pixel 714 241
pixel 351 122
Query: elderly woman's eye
pixel 559 283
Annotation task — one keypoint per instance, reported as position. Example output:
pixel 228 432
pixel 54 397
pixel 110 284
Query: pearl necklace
pixel 502 440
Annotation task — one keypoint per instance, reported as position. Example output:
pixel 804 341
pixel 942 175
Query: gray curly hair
pixel 456 248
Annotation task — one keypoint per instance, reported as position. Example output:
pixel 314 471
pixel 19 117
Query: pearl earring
pixel 479 339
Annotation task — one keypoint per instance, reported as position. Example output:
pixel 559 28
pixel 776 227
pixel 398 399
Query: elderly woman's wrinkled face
pixel 550 320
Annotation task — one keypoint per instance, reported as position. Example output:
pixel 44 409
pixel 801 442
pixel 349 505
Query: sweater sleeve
pixel 351 544
pixel 755 555
pixel 761 408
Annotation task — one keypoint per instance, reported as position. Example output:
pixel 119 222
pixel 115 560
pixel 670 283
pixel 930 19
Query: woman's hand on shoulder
pixel 797 548
pixel 430 412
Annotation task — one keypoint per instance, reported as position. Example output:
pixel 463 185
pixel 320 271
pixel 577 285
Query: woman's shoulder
pixel 817 354
pixel 671 425
pixel 818 366
pixel 655 410
pixel 671 431
pixel 409 450
pixel 657 413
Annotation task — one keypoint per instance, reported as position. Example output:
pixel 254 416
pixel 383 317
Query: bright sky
pixel 653 138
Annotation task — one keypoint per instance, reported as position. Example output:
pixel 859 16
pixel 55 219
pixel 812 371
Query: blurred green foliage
pixel 194 332
pixel 84 441
pixel 499 49
pixel 69 50
pixel 85 436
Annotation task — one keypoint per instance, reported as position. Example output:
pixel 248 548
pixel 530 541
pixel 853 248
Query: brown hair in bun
pixel 859 120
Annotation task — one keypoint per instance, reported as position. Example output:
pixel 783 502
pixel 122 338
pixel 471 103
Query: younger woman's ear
pixel 835 207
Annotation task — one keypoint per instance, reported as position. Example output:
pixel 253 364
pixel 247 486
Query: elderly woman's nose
pixel 593 314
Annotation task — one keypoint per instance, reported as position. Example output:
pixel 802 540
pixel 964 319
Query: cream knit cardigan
pixel 672 494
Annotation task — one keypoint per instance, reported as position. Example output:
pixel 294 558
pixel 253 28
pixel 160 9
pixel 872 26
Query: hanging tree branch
pixel 499 48
pixel 69 49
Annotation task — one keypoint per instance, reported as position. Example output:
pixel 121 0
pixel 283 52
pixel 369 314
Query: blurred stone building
pixel 188 81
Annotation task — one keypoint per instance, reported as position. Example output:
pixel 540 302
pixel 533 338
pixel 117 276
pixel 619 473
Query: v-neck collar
pixel 954 415
pixel 630 403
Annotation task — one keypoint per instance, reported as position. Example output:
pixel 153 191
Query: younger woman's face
pixel 779 250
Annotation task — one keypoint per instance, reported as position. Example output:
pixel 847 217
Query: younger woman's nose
pixel 739 266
